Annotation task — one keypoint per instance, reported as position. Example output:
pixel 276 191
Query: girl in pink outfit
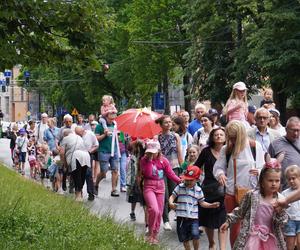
pixel 153 167
pixel 236 107
pixel 108 106
pixel 262 225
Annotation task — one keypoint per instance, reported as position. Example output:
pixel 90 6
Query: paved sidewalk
pixel 116 207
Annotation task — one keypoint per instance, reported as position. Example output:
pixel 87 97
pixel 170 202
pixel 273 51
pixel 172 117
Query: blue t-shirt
pixel 194 126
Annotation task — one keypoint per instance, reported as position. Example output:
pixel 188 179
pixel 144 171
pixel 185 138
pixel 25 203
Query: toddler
pixel 292 228
pixel 188 196
pixel 267 102
pixel 31 149
pixel 108 106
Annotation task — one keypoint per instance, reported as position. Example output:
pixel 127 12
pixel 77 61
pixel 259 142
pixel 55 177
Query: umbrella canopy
pixel 139 123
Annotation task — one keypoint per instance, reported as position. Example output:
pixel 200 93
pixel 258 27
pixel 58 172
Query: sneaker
pixel 96 190
pixel 147 230
pixel 91 197
pixel 60 191
pixel 167 226
pixel 154 241
pixel 114 193
pixel 132 216
pixel 123 189
pixel 79 199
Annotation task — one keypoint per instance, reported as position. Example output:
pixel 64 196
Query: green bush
pixel 31 217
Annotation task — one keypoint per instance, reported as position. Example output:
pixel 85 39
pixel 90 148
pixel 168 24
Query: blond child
pixel 108 106
pixel 292 228
pixel 188 196
pixel 236 107
pixel 267 102
pixel 31 149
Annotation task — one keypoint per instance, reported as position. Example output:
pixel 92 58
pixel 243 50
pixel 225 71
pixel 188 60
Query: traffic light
pixel 7 81
pixel 27 80
pixel 3 88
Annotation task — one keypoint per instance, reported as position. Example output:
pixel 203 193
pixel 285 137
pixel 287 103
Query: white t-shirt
pixel 89 140
pixel 39 132
pixel 22 142
pixel 294 209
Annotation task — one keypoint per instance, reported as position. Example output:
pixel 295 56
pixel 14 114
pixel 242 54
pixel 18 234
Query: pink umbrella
pixel 139 123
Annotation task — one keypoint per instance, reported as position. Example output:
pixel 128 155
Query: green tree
pixel 42 32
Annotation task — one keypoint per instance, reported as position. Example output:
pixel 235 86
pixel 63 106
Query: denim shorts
pixel 187 229
pixel 22 157
pixel 107 160
pixel 292 228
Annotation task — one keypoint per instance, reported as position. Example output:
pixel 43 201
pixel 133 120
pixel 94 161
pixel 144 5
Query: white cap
pixel 240 86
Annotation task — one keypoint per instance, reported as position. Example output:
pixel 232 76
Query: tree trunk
pixel 166 93
pixel 186 92
pixel 280 98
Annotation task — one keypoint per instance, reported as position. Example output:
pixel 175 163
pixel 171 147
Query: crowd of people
pixel 222 169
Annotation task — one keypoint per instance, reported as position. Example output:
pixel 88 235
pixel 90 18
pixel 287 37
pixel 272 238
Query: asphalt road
pixel 117 207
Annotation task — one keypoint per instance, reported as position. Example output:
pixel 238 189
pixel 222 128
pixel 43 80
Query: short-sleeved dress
pixel 261 235
pixel 210 217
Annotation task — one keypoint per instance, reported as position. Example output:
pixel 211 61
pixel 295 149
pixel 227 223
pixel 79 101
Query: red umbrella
pixel 139 123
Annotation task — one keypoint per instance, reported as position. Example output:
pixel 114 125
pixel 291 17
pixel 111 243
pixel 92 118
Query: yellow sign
pixel 28 113
pixel 19 115
pixel 74 112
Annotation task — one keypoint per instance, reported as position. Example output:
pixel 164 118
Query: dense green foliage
pixel 33 218
pixel 204 45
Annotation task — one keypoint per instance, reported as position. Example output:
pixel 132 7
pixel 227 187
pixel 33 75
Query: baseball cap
pixel 191 173
pixel 22 131
pixel 152 146
pixel 274 112
pixel 213 111
pixel 251 109
pixel 239 86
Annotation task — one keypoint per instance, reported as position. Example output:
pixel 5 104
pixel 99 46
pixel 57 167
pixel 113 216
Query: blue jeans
pixel 123 162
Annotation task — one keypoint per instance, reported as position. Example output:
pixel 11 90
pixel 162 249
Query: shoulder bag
pixel 239 192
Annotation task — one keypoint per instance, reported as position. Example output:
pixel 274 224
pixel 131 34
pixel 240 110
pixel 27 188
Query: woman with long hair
pixel 170 144
pixel 180 128
pixel 238 165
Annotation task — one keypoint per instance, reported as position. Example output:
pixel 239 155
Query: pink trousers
pixel 154 195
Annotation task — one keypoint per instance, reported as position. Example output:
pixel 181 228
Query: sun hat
pixel 251 109
pixel 152 146
pixel 191 173
pixel 239 86
pixel 274 112
pixel 94 123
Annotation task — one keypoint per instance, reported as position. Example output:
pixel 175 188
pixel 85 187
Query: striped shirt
pixel 187 200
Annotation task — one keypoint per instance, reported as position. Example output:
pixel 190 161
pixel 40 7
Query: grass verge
pixel 31 217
